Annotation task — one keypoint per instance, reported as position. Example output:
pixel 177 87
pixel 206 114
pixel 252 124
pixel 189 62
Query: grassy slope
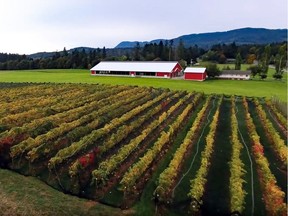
pixel 34 197
pixel 254 87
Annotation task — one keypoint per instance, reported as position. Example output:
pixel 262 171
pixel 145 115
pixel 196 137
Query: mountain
pixel 40 55
pixel 203 40
pixel 109 51
pixel 206 40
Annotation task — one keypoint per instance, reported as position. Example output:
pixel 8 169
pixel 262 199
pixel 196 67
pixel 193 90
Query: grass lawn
pixel 253 87
pixel 35 198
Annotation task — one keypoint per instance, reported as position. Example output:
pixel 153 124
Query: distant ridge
pixel 206 40
pixel 109 51
pixel 203 40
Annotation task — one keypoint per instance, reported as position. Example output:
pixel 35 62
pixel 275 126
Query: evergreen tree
pixel 170 49
pixel 65 53
pixel 280 62
pixel 180 50
pixel 137 50
pixel 160 51
pixel 166 51
pixel 264 63
pixel 238 61
pixel 104 55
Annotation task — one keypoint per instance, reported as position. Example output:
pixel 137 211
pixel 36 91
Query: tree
pixel 75 59
pixel 183 63
pixel 238 61
pixel 166 51
pixel 212 70
pixel 170 48
pixel 231 50
pixel 250 58
pixel 264 63
pixel 65 53
pixel 222 58
pixel 194 53
pixel 255 70
pixel 56 55
pixel 137 49
pixel 122 58
pixel 210 56
pixel 280 62
pixel 180 50
pixel 23 65
pixel 160 51
pixel 104 55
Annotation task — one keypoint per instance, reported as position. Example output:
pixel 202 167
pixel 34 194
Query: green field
pixel 255 87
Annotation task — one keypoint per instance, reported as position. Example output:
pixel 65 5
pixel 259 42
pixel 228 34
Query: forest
pixel 85 58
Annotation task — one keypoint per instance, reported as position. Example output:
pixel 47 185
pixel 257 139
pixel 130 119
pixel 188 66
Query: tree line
pixel 262 55
pixel 259 56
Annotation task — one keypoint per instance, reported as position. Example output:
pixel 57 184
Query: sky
pixel 29 26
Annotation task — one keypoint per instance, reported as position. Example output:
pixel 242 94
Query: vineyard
pixel 158 151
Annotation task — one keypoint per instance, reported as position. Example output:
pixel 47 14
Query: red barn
pixel 192 73
pixel 137 68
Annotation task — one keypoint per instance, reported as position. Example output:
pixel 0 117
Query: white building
pixel 235 74
pixel 137 69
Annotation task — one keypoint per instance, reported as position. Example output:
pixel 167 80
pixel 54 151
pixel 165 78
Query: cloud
pixel 31 25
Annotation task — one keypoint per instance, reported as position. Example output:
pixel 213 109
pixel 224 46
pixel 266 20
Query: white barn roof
pixel 194 70
pixel 136 66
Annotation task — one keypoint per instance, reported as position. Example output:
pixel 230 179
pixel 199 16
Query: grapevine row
pixel 119 135
pixel 94 96
pixel 45 99
pixel 13 94
pixel 90 139
pixel 167 177
pixel 38 126
pixel 197 185
pixel 63 128
pixel 110 112
pixel 37 113
pixel 279 145
pixel 133 174
pixel 115 138
pixel 272 194
pixel 279 115
pixel 19 119
pixel 237 171
pixel 108 166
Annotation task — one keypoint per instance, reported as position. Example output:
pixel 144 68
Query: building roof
pixel 137 66
pixel 194 70
pixel 235 72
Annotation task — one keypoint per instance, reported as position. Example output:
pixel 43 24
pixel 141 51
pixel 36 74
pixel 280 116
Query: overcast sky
pixel 28 26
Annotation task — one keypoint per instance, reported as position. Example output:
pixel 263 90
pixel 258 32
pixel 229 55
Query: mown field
pixel 153 150
pixel 29 196
pixel 254 87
